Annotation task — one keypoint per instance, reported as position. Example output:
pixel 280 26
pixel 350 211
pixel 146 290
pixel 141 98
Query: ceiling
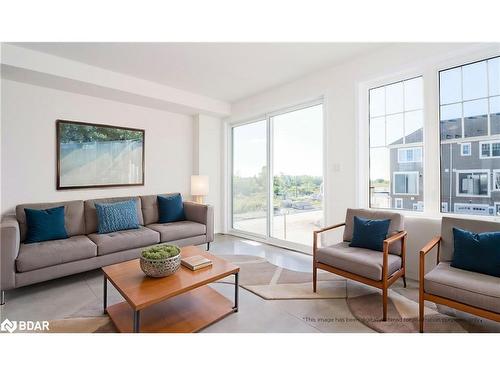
pixel 225 71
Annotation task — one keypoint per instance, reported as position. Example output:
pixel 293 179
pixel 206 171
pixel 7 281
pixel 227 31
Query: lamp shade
pixel 199 185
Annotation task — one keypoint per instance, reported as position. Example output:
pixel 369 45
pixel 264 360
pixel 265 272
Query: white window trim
pixel 462 149
pixel 472 171
pixel 495 171
pixel 407 173
pixel 410 148
pixel 491 149
pixel 396 200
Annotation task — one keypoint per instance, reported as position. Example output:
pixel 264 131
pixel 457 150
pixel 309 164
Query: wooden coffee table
pixel 182 302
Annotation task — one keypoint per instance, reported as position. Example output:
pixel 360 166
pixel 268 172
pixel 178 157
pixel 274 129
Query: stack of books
pixel 196 262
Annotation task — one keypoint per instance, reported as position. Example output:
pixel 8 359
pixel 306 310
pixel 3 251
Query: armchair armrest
pixel 315 236
pixel 203 214
pixel 9 250
pixel 425 250
pixel 328 228
pixel 396 237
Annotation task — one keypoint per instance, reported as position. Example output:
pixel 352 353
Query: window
pixel 470 126
pixel 490 149
pixel 496 180
pixel 465 149
pixel 497 208
pixel 410 155
pixel 473 183
pixel 398 203
pixel 444 206
pixel 396 137
pixel 473 209
pixel 406 183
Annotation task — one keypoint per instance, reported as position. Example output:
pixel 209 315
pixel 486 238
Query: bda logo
pixel 7 325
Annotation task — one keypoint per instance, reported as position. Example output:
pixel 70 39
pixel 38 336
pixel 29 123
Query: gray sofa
pixel 85 249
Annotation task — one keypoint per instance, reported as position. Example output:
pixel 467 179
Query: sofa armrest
pixel 10 239
pixel 201 213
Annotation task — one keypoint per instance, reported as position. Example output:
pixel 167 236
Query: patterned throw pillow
pixel 112 217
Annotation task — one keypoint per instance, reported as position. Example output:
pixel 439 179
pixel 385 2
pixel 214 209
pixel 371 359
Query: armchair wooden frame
pixel 387 280
pixel 436 241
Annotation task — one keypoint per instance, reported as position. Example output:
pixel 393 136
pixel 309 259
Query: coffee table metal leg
pixel 236 288
pixel 105 294
pixel 136 321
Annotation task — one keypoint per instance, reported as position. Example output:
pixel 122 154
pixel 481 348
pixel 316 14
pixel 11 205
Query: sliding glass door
pixel 277 175
pixel 297 168
pixel 249 180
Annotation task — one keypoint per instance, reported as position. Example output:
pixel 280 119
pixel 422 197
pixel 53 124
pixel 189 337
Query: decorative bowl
pixel 160 267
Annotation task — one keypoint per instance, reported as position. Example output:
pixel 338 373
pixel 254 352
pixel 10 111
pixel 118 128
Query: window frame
pixel 493 173
pixel 462 153
pixel 396 204
pixel 405 173
pixel 490 142
pixel 473 171
pixel 496 206
pixel 418 74
pixel 410 148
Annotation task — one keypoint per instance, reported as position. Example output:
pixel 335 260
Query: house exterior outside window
pixel 470 138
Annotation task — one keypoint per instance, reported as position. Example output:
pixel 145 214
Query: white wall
pixel 344 89
pixel 28 144
pixel 208 151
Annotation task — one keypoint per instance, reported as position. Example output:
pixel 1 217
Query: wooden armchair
pixel 370 267
pixel 471 292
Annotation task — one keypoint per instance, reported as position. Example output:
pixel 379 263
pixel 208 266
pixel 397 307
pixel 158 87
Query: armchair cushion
pixel 477 252
pixel 369 234
pixel 363 262
pixel 471 288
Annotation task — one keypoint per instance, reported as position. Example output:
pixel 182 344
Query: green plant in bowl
pixel 159 252
pixel 160 260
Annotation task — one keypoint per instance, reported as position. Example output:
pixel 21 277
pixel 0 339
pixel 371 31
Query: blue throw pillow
pixel 45 225
pixel 369 234
pixel 170 208
pixel 477 252
pixel 112 217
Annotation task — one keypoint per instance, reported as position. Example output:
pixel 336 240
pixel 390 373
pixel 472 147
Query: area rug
pixel 402 314
pixel 271 282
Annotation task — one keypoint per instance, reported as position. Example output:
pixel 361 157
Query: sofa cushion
pixel 369 234
pixel 74 220
pixel 477 252
pixel 447 225
pixel 467 287
pixel 363 262
pixel 112 217
pixel 170 208
pixel 50 253
pixel 124 240
pixel 149 205
pixel 178 230
pixel 45 225
pixel 397 224
pixel 91 213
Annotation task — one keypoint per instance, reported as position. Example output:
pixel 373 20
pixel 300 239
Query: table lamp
pixel 199 187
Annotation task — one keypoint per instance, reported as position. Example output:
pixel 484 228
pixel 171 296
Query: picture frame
pixel 91 155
